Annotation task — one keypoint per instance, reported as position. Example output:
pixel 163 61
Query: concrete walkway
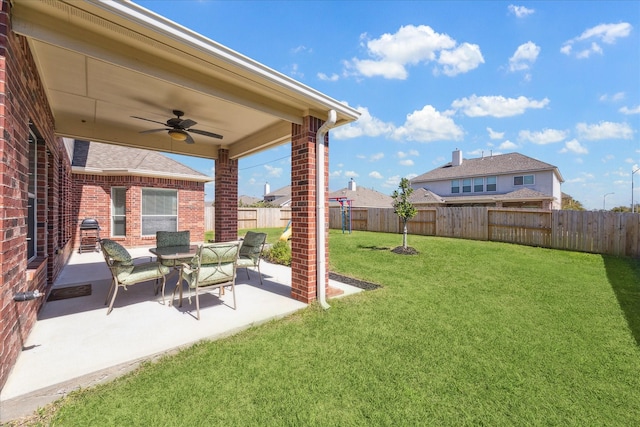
pixel 75 344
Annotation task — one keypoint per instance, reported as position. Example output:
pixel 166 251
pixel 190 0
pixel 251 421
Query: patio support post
pixel 303 209
pixel 226 197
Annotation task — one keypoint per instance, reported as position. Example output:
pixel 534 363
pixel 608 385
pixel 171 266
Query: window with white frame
pixel 523 180
pixel 455 186
pixel 492 183
pixel 159 210
pixel 466 185
pixel 478 185
pixel 118 211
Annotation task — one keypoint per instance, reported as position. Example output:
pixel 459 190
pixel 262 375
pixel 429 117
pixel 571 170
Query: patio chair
pixel 173 238
pixel 214 266
pixel 250 251
pixel 125 272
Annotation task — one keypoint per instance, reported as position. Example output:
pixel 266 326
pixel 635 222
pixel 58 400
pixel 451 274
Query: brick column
pixel 303 209
pixel 226 194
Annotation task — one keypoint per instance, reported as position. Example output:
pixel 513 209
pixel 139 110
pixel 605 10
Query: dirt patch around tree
pixel 401 250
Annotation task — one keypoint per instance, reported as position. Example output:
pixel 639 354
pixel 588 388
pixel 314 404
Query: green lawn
pixel 465 333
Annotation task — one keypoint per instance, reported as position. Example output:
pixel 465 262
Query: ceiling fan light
pixel 178 135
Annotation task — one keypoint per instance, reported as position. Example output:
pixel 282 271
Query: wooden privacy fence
pixel 252 217
pixel 600 232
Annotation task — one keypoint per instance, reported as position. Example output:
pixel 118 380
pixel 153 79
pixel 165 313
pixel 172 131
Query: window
pixel 491 183
pixel 478 185
pixel 455 186
pixel 118 212
pixel 523 180
pixel 466 185
pixel 32 202
pixel 159 210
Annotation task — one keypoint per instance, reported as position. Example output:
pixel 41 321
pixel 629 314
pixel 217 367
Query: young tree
pixel 403 207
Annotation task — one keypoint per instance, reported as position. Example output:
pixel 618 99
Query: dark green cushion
pixel 173 238
pixel 116 251
pixel 252 245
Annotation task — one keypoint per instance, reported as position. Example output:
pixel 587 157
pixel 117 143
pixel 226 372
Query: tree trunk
pixel 404 235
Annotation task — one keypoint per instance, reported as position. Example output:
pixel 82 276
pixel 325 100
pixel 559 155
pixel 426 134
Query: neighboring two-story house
pixel 505 180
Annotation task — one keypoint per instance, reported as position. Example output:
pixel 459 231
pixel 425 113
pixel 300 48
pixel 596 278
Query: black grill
pixel 89 235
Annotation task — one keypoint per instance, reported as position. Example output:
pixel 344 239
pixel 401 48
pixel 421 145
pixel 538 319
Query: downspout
pixel 321 253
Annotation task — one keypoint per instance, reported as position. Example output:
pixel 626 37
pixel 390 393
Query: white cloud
pixel 402 154
pixel 406 162
pixel 366 125
pixel 520 11
pixel 301 48
pixel 375 174
pixel 273 171
pixel 390 54
pixel 615 97
pixel 608 158
pixel 496 106
pixel 546 136
pixel 495 135
pixel 633 110
pixel 574 146
pixel 462 59
pixel 604 130
pixel 428 125
pixel 525 55
pixel 332 78
pixel 375 157
pixel 603 33
pixel 351 174
pixel 507 145
pixel 336 174
pixel 392 181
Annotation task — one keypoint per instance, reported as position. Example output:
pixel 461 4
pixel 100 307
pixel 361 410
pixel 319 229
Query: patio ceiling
pixel 102 63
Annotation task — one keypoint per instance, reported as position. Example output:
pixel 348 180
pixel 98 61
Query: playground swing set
pixel 345 214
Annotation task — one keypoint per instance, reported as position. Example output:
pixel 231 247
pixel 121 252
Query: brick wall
pixel 303 209
pixel 226 195
pixel 92 199
pixel 23 101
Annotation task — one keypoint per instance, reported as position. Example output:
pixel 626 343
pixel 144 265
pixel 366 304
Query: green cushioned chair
pixel 173 238
pixel 250 251
pixel 125 271
pixel 214 266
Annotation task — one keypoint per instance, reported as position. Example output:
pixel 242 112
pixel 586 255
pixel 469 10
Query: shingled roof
pixel 362 197
pixel 492 165
pixel 109 159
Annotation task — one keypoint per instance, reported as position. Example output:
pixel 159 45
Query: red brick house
pixel 103 71
pixel 132 193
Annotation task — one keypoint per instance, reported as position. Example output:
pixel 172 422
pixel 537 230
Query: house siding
pixel 92 197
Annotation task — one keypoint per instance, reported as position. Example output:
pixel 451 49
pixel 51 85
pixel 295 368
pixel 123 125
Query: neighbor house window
pixel 32 207
pixel 523 180
pixel 491 183
pixel 478 185
pixel 466 185
pixel 455 186
pixel 118 211
pixel 159 211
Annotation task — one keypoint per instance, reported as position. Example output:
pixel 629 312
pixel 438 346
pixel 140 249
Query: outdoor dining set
pixel 206 266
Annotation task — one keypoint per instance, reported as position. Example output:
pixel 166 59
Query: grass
pixel 273 234
pixel 464 333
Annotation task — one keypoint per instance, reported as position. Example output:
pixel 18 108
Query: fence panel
pixel 524 227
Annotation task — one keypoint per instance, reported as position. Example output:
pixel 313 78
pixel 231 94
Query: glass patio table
pixel 176 255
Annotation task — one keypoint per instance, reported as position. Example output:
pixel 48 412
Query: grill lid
pixel 89 224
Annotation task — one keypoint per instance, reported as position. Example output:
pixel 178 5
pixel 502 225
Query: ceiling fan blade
pixel 189 139
pixel 187 123
pixel 205 133
pixel 149 120
pixel 153 130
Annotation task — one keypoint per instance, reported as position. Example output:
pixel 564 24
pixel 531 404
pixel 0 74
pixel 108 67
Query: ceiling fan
pixel 178 128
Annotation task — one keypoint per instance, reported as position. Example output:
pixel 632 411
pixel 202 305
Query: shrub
pixel 280 253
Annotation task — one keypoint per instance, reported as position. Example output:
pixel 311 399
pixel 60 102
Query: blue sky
pixel 557 81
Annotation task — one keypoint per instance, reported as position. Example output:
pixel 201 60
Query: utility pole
pixel 604 201
pixel 633 206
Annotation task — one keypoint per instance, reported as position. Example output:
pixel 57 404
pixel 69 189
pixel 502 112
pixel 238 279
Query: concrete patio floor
pixel 74 344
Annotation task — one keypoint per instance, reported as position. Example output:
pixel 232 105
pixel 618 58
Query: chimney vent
pixel 352 185
pixel 267 188
pixel 456 158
